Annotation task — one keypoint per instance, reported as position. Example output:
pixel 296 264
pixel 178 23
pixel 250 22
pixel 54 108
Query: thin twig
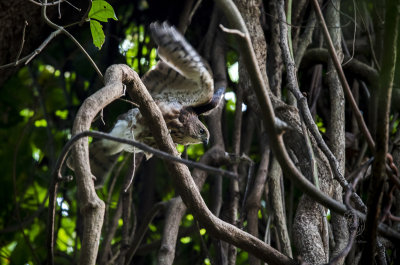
pixel 55 3
pixel 30 56
pixel 131 174
pixel 353 226
pixel 353 233
pixel 142 147
pixel 57 27
pixel 196 6
pixel 22 42
pixel 371 43
pixel 203 244
pixel 233 31
pixel 47 4
pixel 306 115
pixel 357 113
pixel 59 10
pixel 276 140
pixel 85 16
pixel 342 77
pixel 354 32
pixel 247 51
pixel 52 35
pixel 306 39
pixel 126 213
pixel 130 102
pixel 143 229
pixel 249 183
pixel 289 21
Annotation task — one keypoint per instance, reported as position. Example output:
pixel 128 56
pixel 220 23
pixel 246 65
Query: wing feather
pixel 181 76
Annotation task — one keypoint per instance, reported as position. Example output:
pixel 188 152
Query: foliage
pixel 39 104
pixel 100 11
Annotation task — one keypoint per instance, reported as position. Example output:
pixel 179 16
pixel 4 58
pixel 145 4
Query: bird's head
pixel 191 131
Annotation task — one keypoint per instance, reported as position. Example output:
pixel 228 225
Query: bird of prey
pixel 182 86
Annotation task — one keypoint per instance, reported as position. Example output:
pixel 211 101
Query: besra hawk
pixel 182 86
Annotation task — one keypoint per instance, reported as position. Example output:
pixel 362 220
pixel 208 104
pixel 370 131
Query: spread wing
pixel 181 77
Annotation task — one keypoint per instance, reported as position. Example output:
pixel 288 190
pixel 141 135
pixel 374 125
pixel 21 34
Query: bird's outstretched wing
pixel 181 77
pixel 182 87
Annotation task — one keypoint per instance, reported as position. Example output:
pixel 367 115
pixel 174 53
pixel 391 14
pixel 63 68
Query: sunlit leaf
pixel 136 64
pixel 169 195
pixel 102 11
pixel 233 72
pixel 63 114
pixel 37 154
pixel 64 241
pixel 6 252
pixel 195 151
pixel 152 58
pixel 320 124
pixel 328 215
pixel 121 158
pixel 152 228
pixel 186 239
pixel 242 256
pixel 189 217
pixel 26 113
pixel 33 196
pixel 41 123
pixel 230 98
pixel 97 33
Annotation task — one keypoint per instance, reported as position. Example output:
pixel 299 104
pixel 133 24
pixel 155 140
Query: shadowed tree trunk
pixel 289 136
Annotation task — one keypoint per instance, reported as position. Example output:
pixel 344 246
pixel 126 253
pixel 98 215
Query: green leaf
pixel 27 113
pixel 189 217
pixel 97 33
pixel 102 11
pixel 63 114
pixel 152 228
pixel 233 71
pixel 186 240
pixel 194 151
pixel 41 123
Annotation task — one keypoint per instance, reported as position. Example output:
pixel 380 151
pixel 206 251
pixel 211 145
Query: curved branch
pixel 184 183
pixel 342 77
pixel 354 66
pixel 141 146
pixel 305 111
pixel 92 207
pixel 245 46
pixel 259 86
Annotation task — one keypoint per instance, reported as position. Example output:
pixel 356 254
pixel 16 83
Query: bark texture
pixel 337 126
